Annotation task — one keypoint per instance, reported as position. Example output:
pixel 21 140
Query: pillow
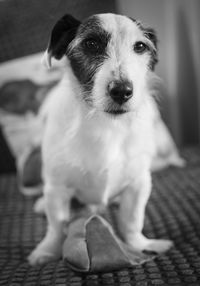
pixel 22 91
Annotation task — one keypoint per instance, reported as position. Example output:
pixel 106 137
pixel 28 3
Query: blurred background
pixel 25 28
pixel 177 23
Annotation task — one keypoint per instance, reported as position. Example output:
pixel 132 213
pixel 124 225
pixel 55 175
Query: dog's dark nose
pixel 120 91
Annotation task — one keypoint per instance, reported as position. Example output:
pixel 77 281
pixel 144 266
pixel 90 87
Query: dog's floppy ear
pixel 62 34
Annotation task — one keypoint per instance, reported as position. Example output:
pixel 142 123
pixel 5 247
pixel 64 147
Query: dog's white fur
pixel 92 155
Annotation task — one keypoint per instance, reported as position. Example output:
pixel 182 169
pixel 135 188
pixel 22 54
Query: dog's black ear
pixel 62 34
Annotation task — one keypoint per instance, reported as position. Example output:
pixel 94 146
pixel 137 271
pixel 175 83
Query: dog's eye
pixel 92 45
pixel 140 47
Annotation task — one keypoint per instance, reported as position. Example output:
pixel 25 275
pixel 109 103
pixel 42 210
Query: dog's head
pixel 111 56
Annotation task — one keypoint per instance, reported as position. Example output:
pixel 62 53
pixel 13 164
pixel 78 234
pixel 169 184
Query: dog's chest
pixel 97 168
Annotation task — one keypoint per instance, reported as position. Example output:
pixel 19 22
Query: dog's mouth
pixel 116 112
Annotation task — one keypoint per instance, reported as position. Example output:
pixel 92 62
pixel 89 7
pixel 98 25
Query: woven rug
pixel 173 212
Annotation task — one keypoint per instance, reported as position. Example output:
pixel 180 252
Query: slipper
pixel 92 246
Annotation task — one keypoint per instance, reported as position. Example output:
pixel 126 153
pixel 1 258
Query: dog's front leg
pixel 131 216
pixel 57 200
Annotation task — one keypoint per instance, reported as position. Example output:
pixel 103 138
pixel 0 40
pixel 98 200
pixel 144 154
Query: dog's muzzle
pixel 120 91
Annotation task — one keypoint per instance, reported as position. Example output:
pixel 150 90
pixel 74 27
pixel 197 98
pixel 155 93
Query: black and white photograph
pixel 99 142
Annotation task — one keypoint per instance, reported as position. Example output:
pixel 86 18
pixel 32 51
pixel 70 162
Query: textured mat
pixel 172 212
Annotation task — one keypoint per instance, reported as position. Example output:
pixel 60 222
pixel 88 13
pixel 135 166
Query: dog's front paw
pixel 158 245
pixel 142 243
pixel 37 257
pixel 47 250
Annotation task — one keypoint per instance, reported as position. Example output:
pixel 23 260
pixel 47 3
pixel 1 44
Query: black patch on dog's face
pixel 90 52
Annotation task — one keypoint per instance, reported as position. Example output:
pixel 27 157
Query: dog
pixel 103 132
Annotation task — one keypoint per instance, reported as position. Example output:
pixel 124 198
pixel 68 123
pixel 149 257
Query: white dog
pixel 103 132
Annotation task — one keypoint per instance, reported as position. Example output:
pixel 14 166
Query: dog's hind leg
pixel 57 203
pixel 39 206
pixel 131 216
